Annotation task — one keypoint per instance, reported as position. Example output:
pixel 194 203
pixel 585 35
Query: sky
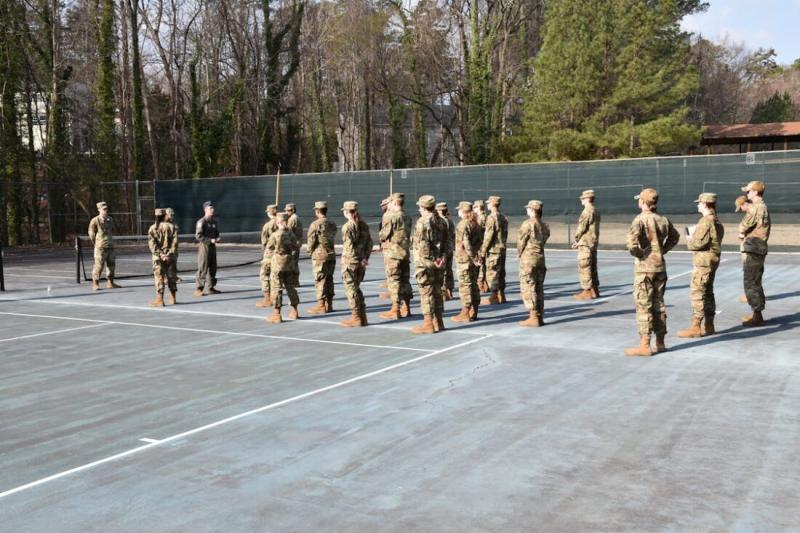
pixel 757 23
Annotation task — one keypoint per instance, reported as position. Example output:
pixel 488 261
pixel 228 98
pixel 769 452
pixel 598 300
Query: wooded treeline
pixel 124 90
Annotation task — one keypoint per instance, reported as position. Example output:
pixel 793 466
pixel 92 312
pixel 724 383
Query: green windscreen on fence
pixel 240 201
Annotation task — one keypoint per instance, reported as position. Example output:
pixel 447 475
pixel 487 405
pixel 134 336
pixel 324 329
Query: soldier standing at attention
pixel 650 237
pixel 269 227
pixel 449 282
pixel 533 235
pixel 321 237
pixel 282 245
pixel 493 251
pixel 395 238
pixel 172 269
pixel 705 245
pixel 754 233
pixel 356 249
pixel 296 227
pixel 162 243
pixel 587 235
pixel 742 205
pixel 467 243
pixel 479 208
pixel 429 256
pixel 384 216
pixel 101 234
pixel 207 234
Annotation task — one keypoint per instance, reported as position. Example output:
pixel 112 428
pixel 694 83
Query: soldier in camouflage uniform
pixel 493 252
pixel 321 237
pixel 586 239
pixel 706 246
pixel 356 249
pixel 384 217
pixel 429 244
pixel 479 208
pixel 650 237
pixel 296 227
pixel 449 282
pixel 533 235
pixel 468 240
pixel 395 237
pixel 754 232
pixel 162 242
pixel 269 227
pixel 172 268
pixel 101 234
pixel 741 204
pixel 282 247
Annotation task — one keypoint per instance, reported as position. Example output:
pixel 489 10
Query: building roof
pixel 732 133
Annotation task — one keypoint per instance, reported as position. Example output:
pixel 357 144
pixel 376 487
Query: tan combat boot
pixel 385 296
pixel 391 314
pixel 173 297
pixel 532 321
pixel 585 294
pixel 405 308
pixel 95 285
pixel 198 293
pixel 708 325
pixel 111 285
pixel 294 314
pixel 354 321
pixel 660 344
pixel 275 318
pixel 693 331
pixel 643 349
pixel 265 302
pixel 491 300
pixel 159 301
pixel 329 304
pixel 743 298
pixel 426 328
pixel 483 286
pixel 317 309
pixel 753 320
pixel 595 292
pixel 501 296
pixel 463 316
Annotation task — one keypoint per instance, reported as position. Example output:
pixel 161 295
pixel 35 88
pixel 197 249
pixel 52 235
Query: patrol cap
pixel 321 205
pixel 494 200
pixel 350 205
pixel 207 204
pixel 441 206
pixel 170 211
pixel 464 206
pixel 589 193
pixel 290 206
pixel 427 201
pixel 101 205
pixel 160 212
pixel 477 203
pixel 271 207
pixel 740 201
pixel 757 186
pixel 534 204
pixel 648 195
pixel 707 198
pixel 385 201
pixel 398 196
pixel 282 217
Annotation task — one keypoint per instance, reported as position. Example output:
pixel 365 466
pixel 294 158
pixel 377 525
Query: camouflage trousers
pixel 296 271
pixel 172 273
pixel 429 281
pixel 323 277
pixel 352 276
pixel 104 257
pixel 482 274
pixel 496 271
pixel 161 273
pixel 648 293
pixel 531 285
pixel 753 271
pixel 264 273
pixel 468 284
pixel 397 279
pixel 587 267
pixel 278 281
pixel 449 280
pixel 701 291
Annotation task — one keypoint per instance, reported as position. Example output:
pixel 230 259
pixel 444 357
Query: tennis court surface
pixel 203 417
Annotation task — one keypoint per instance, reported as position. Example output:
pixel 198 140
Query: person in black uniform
pixel 207 234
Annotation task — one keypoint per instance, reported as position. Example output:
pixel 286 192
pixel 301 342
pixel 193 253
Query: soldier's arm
pixel 701 236
pixel 367 243
pixel 749 222
pixel 264 235
pixel 387 225
pixel 311 242
pixel 347 240
pixel 92 229
pixel 583 226
pixel 633 240
pixel 151 242
pixel 672 238
pixel 173 241
pixel 545 232
pixel 199 234
pixel 523 238
pixel 488 235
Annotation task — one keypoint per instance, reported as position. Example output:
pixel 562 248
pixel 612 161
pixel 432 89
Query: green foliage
pixel 105 114
pixel 777 108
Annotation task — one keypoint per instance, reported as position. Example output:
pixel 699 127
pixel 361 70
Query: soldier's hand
pixel 574 244
pixel 364 263
pixel 741 236
pixel 439 262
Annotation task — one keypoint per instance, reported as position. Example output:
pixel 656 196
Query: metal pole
pixel 77 259
pixel 278 186
pixel 391 181
pixel 138 210
pixel 2 278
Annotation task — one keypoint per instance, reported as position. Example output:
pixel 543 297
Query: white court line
pixel 233 418
pixel 218 332
pixel 149 441
pixel 14 274
pixel 101 323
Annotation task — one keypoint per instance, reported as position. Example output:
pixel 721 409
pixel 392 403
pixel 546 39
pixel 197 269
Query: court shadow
pixel 771 326
pixel 783 296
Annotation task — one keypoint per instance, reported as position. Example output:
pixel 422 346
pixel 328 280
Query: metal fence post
pixel 77 259
pixel 2 277
pixel 138 210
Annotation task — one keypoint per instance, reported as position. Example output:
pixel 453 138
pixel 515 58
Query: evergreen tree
pixel 105 108
pixel 777 108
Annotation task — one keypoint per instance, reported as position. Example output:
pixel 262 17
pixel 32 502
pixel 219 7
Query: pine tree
pixel 105 108
pixel 777 108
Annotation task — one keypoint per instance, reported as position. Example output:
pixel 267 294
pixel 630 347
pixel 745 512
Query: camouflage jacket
pixel 706 241
pixel 451 235
pixel 396 235
pixel 172 228
pixel 295 226
pixel 533 235
pixel 282 245
pixel 467 241
pixel 650 237
pixel 356 242
pixel 588 231
pixel 495 235
pixel 101 232
pixel 266 230
pixel 321 237
pixel 429 241
pixel 756 227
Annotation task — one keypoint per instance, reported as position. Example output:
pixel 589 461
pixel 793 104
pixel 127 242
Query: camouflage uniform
pixel 395 237
pixel 533 234
pixel 755 226
pixel 449 281
pixel 321 237
pixel 356 247
pixel 296 227
pixel 468 240
pixel 706 247
pixel 429 244
pixel 481 219
pixel 494 252
pixel 587 235
pixel 266 259
pixel 163 241
pixel 101 234
pixel 282 247
pixel 172 267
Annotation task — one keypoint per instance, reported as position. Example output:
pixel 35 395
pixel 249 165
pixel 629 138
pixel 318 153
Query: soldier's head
pixel 441 209
pixel 160 215
pixel 321 209
pixel 465 211
pixel 494 203
pixel 754 189
pixel 398 200
pixel 587 197
pixel 208 209
pixel 281 219
pixel 741 204
pixel 385 204
pixel 648 199
pixel 102 208
pixel 534 209
pixel 290 209
pixel 350 210
pixel 271 210
pixel 706 203
pixel 478 206
pixel 426 204
pixel 169 214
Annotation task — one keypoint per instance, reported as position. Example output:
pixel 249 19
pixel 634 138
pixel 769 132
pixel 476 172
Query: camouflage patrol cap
pixel 170 211
pixel 757 186
pixel 441 206
pixel 270 208
pixel 427 201
pixel 494 200
pixel 290 206
pixel 707 198
pixel 589 193
pixel 477 203
pixel 282 217
pixel 160 212
pixel 648 195
pixel 534 204
pixel 101 205
pixel 321 205
pixel 385 201
pixel 464 206
pixel 350 205
pixel 740 201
